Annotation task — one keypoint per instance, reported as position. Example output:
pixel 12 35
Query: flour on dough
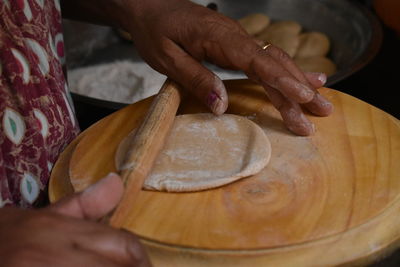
pixel 204 151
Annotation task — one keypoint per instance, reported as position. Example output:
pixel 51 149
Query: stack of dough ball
pixel 254 23
pixel 312 51
pixel 283 34
pixel 308 49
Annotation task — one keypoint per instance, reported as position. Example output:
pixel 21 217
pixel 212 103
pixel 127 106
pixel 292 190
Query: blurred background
pixel 365 45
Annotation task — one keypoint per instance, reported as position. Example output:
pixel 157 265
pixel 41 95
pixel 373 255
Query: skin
pixel 175 36
pixel 66 233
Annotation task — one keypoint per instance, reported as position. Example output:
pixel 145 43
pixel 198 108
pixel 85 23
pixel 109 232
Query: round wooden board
pixel 331 198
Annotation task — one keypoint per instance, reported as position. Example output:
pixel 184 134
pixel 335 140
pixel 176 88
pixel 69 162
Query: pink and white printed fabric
pixel 36 112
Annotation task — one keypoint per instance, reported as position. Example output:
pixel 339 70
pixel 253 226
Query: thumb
pixel 93 203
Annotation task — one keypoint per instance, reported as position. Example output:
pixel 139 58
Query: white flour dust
pixel 120 81
pixel 123 81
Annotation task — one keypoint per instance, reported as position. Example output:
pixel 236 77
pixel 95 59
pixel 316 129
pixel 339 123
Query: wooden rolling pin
pixel 146 145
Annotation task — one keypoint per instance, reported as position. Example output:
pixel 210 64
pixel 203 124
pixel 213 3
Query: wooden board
pixel 334 194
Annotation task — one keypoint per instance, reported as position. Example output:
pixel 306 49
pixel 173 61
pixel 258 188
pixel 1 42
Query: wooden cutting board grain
pixel 328 199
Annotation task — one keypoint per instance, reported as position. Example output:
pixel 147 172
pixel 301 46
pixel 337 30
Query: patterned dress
pixel 36 112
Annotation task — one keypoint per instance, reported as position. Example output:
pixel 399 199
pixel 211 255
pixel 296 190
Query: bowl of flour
pixel 122 82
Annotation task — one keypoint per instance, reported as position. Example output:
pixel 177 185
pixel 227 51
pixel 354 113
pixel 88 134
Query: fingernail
pixel 99 183
pixel 302 126
pixel 327 106
pixel 211 98
pixel 309 127
pixel 303 129
pixel 305 93
pixel 322 78
pixel 217 99
pixel 216 104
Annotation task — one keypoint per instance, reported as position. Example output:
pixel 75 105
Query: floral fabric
pixel 37 119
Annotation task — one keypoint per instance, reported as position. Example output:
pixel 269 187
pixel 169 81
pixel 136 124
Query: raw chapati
pixel 204 151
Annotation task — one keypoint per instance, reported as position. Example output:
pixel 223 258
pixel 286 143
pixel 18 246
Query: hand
pixel 174 36
pixel 65 235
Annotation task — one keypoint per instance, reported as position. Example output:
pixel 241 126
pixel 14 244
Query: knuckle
pixel 132 245
pixel 276 98
pixel 125 237
pixel 41 219
pixel 23 255
pixel 282 56
pixel 170 57
pixel 198 82
pixel 17 258
pixel 257 60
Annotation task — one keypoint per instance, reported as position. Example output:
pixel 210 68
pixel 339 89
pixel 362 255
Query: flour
pixel 204 151
pixel 120 81
pixel 123 81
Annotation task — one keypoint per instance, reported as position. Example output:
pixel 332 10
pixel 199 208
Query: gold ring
pixel 266 46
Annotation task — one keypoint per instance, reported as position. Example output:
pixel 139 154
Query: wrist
pixel 106 12
pixel 133 12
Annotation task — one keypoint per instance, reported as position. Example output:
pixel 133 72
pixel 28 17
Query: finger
pixel 117 245
pixel 317 79
pixel 291 113
pixel 93 203
pixel 194 77
pixel 319 105
pixel 78 258
pixel 241 52
pixel 286 61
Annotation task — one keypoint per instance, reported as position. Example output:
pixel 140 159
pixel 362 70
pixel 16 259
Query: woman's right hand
pixel 65 233
pixel 176 36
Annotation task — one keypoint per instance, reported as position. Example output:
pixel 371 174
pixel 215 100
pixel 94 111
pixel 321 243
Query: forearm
pixel 117 13
pixel 107 12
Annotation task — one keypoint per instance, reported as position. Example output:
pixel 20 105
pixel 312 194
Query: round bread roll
pixel 283 34
pixel 316 64
pixel 254 23
pixel 313 44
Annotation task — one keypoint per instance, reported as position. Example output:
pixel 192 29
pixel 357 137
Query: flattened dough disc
pixel 204 151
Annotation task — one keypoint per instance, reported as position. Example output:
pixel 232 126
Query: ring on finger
pixel 265 47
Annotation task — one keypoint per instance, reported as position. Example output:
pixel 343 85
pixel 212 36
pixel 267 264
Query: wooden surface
pixel 331 198
pixel 60 184
pixel 148 141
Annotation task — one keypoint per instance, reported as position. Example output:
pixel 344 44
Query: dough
pixel 283 34
pixel 313 44
pixel 316 64
pixel 204 151
pixel 254 23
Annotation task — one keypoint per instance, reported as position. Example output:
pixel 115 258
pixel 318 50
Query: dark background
pixel 375 83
